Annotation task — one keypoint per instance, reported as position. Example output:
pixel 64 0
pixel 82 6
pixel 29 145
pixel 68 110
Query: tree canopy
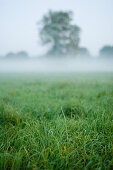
pixel 18 55
pixel 58 31
pixel 106 51
pixel 83 52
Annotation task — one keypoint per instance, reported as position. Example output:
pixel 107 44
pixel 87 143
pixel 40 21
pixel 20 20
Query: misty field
pixel 56 121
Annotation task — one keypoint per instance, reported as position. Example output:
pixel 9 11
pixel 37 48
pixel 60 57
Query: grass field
pixel 56 121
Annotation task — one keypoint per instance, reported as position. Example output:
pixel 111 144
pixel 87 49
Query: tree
pixel 83 52
pixel 10 55
pixel 22 55
pixel 58 31
pixel 19 55
pixel 106 51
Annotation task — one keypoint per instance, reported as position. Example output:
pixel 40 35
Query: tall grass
pixel 65 122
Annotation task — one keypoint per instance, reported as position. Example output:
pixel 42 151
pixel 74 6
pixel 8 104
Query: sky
pixel 19 30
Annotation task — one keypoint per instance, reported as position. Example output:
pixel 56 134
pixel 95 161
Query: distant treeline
pixel 105 52
pixel 58 31
pixel 18 55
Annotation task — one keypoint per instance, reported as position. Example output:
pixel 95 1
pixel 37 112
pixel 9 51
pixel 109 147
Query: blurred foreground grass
pixel 56 121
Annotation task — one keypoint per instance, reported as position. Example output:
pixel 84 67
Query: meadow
pixel 56 121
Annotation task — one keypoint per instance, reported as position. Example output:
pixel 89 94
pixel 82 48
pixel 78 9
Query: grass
pixel 56 121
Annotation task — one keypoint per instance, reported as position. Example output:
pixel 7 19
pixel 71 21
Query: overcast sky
pixel 18 18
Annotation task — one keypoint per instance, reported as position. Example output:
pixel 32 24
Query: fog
pixel 18 20
pixel 56 65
